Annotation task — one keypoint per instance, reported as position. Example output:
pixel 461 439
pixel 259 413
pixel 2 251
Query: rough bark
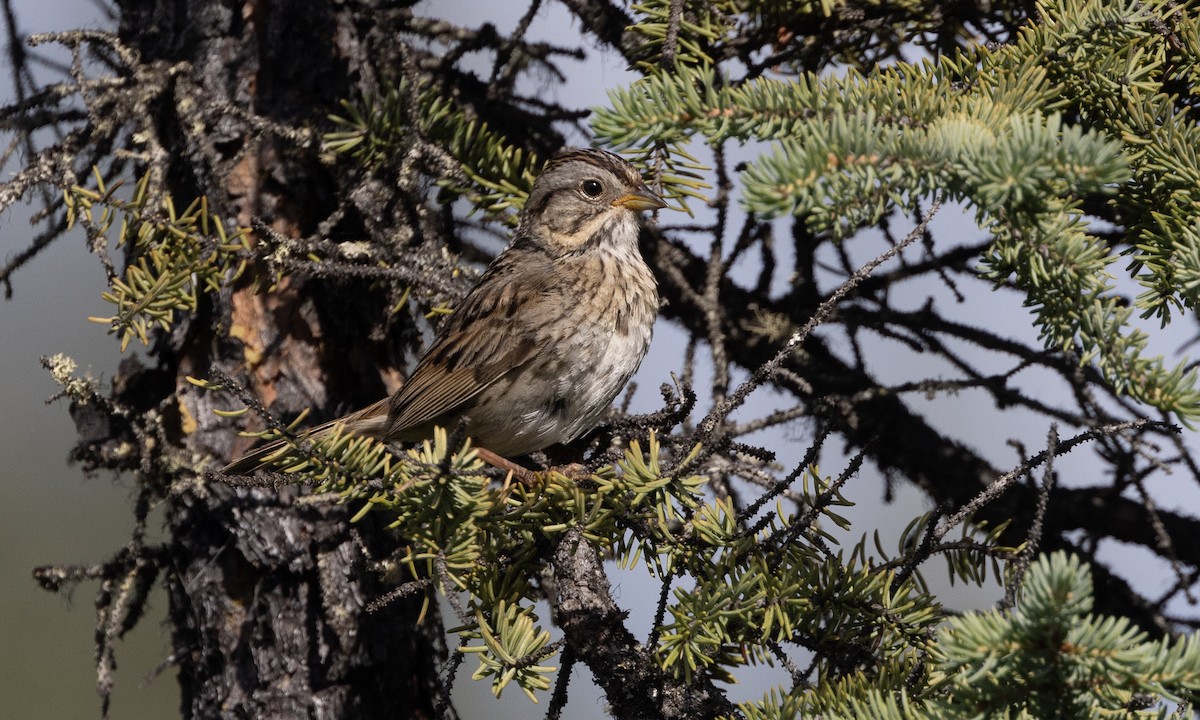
pixel 267 594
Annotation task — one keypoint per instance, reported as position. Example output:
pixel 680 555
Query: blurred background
pixel 52 514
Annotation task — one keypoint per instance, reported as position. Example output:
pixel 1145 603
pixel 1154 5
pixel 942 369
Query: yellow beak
pixel 640 199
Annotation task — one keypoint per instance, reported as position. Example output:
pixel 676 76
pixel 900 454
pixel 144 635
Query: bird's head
pixel 584 197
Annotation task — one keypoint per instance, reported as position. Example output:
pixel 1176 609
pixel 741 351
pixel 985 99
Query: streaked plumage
pixel 555 327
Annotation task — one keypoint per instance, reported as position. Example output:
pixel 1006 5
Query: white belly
pixel 583 389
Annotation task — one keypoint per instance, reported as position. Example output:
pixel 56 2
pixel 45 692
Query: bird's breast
pixel 591 337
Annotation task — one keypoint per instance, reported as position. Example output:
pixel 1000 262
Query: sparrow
pixel 556 325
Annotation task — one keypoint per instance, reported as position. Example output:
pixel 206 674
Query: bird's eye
pixel 591 188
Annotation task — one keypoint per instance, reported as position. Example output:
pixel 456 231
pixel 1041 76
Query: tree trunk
pixel 268 595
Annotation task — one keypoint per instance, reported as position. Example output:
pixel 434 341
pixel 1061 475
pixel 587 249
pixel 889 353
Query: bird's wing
pixel 490 335
pixel 440 389
pixel 434 390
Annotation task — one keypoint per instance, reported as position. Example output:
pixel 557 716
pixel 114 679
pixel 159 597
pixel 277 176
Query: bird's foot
pixel 574 471
pixel 524 474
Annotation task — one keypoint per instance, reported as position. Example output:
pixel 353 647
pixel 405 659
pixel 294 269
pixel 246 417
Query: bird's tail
pixel 368 421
